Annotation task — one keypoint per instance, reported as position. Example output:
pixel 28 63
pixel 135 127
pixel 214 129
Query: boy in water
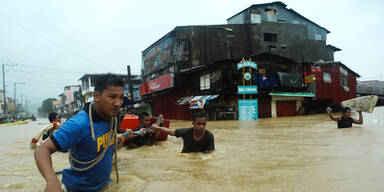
pixel 196 138
pixel 148 137
pixel 345 120
pixel 53 117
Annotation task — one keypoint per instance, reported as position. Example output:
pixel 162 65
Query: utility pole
pixel 21 102
pixel 5 98
pixel 14 84
pixel 130 82
pixel 14 96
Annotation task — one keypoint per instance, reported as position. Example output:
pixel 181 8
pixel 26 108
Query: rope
pixel 91 122
pixel 93 162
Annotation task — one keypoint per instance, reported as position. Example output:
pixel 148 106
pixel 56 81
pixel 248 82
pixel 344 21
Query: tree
pixel 47 106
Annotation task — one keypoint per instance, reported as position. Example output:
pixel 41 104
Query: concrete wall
pixel 214 43
pixel 205 45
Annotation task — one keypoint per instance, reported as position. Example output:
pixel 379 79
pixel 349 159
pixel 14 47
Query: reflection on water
pixel 304 153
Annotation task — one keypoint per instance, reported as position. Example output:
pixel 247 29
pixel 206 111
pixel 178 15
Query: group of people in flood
pixel 91 139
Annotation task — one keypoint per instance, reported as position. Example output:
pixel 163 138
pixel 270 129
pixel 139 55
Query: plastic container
pixel 131 122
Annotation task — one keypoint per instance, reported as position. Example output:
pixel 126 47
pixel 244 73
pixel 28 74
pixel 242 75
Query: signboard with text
pixel 248 110
pixel 245 63
pixel 246 89
pixel 247 105
pixel 158 84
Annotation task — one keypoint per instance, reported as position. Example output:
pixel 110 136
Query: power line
pixel 39 80
pixel 49 75
pixel 55 70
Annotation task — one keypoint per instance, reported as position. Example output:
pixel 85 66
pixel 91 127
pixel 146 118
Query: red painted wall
pixel 333 91
pixel 285 108
pixel 166 104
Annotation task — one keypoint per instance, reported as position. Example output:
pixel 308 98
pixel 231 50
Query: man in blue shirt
pixel 89 137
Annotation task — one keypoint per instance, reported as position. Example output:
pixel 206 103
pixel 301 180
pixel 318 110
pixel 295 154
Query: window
pixel 271 15
pixel 85 84
pixel 271 48
pixel 271 37
pixel 270 11
pixel 182 50
pixel 93 82
pixel 318 37
pixel 327 78
pixel 344 79
pixel 255 16
pixel 205 82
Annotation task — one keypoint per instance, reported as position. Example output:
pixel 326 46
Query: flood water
pixel 305 153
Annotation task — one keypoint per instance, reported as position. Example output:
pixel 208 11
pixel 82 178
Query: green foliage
pixel 47 106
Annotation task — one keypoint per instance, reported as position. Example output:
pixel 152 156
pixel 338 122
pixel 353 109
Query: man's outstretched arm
pixel 163 129
pixel 44 163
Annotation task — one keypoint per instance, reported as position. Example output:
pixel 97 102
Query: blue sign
pixel 248 110
pixel 246 89
pixel 243 64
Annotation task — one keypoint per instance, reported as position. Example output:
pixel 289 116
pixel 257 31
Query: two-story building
pixel 69 92
pixel 193 62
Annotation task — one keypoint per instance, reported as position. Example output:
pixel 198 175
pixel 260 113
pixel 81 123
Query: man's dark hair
pixel 198 115
pixel 52 116
pixel 142 115
pixel 105 80
pixel 345 109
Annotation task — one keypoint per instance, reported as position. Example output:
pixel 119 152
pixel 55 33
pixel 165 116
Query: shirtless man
pixel 345 120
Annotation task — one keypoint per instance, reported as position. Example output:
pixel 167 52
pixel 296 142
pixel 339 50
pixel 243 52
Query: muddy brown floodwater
pixel 305 153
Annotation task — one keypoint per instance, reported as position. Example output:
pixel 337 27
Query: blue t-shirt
pixel 75 134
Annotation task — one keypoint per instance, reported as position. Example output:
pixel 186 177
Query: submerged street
pixel 303 153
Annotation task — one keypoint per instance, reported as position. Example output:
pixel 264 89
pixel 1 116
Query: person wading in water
pixel 196 138
pixel 90 138
pixel 345 120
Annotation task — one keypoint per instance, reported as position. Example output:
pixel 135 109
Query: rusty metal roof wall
pixel 337 63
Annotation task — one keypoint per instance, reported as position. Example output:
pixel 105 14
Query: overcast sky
pixel 49 44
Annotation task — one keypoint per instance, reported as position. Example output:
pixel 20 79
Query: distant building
pixel 88 85
pixel 55 105
pixel 370 88
pixel 59 106
pixel 69 95
pixel 10 105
